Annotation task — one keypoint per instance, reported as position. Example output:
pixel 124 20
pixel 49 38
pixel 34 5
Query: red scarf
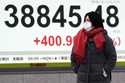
pixel 80 42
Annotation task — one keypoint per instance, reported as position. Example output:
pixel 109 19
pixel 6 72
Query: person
pixel 93 54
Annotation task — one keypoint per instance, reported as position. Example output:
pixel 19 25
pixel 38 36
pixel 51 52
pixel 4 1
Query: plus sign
pixel 36 40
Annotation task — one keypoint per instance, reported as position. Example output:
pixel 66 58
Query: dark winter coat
pixel 98 63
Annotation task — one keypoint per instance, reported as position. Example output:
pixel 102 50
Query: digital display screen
pixel 34 32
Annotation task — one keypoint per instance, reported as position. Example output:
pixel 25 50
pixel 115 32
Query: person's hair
pixel 95 18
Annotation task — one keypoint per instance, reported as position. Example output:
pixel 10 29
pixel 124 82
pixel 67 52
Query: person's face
pixel 87 24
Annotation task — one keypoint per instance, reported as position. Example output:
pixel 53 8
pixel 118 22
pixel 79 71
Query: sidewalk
pixel 55 77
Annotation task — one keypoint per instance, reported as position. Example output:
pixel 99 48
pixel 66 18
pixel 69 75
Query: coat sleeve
pixel 110 53
pixel 74 65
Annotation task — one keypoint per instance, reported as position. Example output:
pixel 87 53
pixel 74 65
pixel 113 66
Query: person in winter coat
pixel 93 54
